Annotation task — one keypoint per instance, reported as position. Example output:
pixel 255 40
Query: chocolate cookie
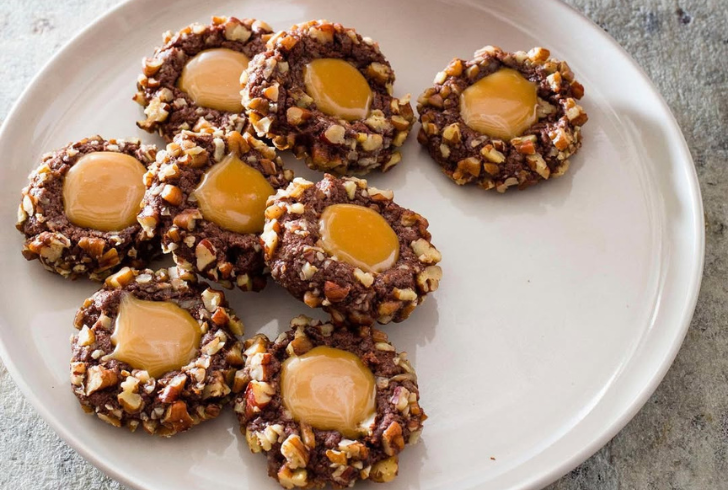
pixel 194 183
pixel 163 401
pixel 354 138
pixel 377 264
pixel 75 180
pixel 487 148
pixel 169 108
pixel 369 378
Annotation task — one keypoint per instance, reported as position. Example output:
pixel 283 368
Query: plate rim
pixel 599 438
pixel 609 432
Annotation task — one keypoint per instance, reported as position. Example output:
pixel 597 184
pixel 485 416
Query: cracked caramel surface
pixel 230 256
pixel 170 108
pixel 286 103
pixel 470 147
pixel 171 400
pixel 66 248
pixel 300 262
pixel 304 456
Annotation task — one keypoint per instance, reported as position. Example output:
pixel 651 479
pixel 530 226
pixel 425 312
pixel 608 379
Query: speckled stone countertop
pixel 679 440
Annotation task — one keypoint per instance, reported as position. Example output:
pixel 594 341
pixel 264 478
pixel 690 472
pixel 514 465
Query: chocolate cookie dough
pixel 481 145
pixel 375 265
pixel 326 92
pixel 352 365
pixel 150 390
pixel 170 106
pixel 70 224
pixel 208 194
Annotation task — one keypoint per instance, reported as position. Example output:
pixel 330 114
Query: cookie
pixel 325 92
pixel 208 194
pixel 78 213
pixel 503 119
pixel 349 248
pixel 192 81
pixel 123 369
pixel 328 405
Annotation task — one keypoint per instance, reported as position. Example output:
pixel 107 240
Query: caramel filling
pixel 329 389
pixel 103 190
pixel 502 105
pixel 337 88
pixel 157 336
pixel 233 195
pixel 212 79
pixel 359 236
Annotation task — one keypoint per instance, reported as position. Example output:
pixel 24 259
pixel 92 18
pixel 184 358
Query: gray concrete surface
pixel 679 440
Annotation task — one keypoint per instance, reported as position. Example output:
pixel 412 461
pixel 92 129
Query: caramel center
pixel 359 236
pixel 337 88
pixel 157 336
pixel 102 191
pixel 233 195
pixel 212 79
pixel 502 105
pixel 330 389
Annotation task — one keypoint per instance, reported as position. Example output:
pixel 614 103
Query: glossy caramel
pixel 233 194
pixel 157 336
pixel 329 389
pixel 212 79
pixel 103 191
pixel 501 105
pixel 338 88
pixel 359 236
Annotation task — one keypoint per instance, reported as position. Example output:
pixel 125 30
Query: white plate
pixel 561 307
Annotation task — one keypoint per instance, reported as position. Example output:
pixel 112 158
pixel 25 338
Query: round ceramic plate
pixel 561 307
